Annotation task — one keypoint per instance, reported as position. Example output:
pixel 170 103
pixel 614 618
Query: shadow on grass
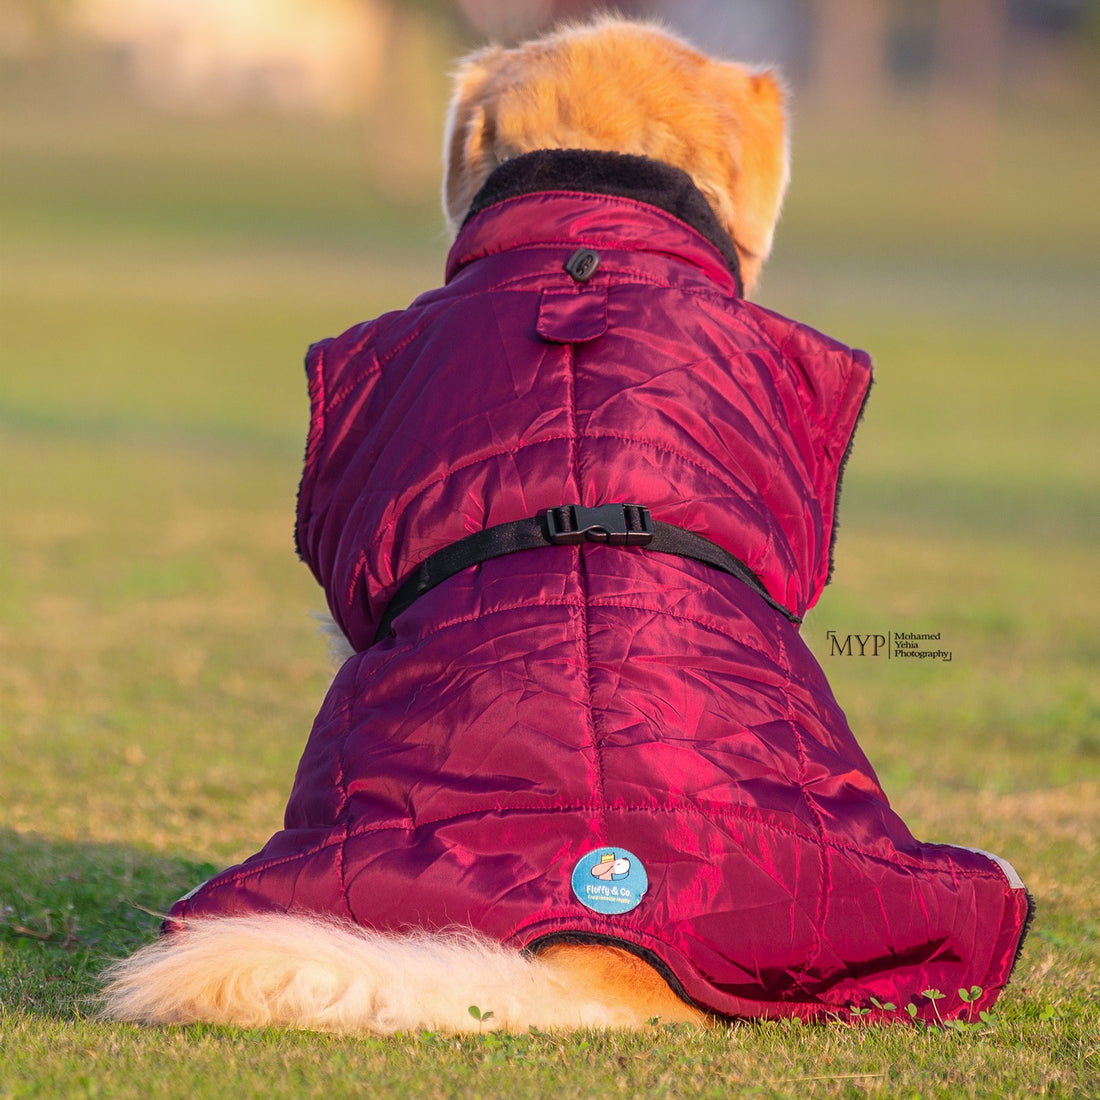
pixel 67 909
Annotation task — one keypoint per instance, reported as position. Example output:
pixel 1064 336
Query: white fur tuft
pixel 339 648
pixel 285 971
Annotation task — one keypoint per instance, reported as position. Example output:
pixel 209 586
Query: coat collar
pixel 615 175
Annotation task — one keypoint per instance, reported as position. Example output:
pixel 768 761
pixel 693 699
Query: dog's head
pixel 625 87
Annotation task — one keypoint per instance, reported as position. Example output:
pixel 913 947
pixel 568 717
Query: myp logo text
pixel 865 645
pixel 894 644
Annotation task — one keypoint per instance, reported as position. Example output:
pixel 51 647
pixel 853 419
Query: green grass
pixel 159 669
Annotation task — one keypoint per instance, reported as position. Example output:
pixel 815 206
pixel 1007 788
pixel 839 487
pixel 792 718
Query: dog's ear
pixel 748 198
pixel 468 143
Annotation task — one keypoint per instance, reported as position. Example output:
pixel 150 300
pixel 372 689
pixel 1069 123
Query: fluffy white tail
pixel 285 971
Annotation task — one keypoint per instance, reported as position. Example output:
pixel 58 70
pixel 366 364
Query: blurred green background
pixel 191 193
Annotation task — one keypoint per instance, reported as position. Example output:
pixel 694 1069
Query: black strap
pixel 570 524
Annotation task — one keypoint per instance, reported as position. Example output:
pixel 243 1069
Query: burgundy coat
pixel 602 742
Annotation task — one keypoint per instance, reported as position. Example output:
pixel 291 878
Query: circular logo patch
pixel 609 880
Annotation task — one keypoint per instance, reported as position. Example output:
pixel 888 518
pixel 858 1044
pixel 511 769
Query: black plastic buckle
pixel 613 524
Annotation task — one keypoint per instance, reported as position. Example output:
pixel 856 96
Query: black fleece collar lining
pixel 620 174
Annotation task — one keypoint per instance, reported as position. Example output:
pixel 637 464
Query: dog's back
pixel 527 712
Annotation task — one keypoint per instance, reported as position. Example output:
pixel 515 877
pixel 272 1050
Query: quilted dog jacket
pixel 593 741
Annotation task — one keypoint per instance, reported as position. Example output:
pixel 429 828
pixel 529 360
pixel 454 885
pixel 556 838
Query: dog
pixel 579 768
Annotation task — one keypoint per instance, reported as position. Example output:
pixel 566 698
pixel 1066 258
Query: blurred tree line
pixel 387 62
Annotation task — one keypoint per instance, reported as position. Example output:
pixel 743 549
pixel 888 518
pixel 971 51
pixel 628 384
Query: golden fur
pixel 626 87
pixel 282 971
pixel 609 85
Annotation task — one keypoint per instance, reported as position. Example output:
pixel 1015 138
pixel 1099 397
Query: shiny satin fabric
pixel 561 700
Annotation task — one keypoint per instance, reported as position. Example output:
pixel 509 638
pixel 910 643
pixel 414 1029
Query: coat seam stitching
pixel 709 811
pixel 597 601
pixel 801 972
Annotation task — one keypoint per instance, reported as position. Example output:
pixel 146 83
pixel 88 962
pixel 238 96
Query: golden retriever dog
pixel 619 89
